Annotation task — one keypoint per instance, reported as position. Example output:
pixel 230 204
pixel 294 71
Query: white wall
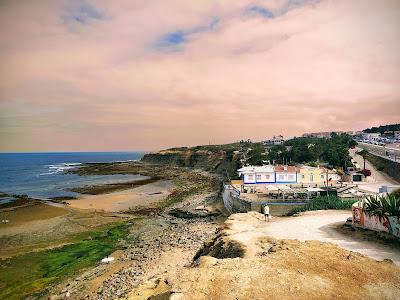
pixel 259 177
pixel 286 177
pixel 265 177
pixel 249 178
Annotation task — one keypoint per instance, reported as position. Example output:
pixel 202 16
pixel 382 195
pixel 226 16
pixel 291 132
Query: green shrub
pixel 387 205
pixel 322 203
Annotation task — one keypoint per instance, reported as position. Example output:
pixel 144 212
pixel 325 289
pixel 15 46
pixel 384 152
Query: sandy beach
pixel 124 200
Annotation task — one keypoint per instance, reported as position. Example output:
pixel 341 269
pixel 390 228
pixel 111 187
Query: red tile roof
pixel 281 168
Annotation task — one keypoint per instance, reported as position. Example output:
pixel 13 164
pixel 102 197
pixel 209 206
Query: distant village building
pixel 284 174
pixel 372 137
pixel 324 134
pixel 276 140
pixel 396 134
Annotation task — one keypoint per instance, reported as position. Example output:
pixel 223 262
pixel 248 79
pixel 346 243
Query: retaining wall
pixel 386 224
pixel 233 202
pixel 388 166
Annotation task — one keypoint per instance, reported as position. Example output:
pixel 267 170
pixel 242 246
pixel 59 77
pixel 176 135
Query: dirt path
pixel 317 225
pixel 245 262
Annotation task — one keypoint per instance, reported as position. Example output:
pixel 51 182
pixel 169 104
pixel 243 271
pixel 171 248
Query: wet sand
pixel 124 200
pixel 33 211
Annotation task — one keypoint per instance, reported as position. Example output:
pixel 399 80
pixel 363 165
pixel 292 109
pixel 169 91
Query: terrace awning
pixel 314 189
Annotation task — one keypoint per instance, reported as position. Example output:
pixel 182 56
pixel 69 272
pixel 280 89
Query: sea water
pixel 42 175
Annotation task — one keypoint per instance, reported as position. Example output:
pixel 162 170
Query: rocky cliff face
pixel 216 160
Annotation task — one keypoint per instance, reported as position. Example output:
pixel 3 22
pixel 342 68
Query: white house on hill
pixel 276 140
pixel 257 174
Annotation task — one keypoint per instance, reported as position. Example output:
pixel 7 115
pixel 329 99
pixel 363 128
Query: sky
pixel 145 75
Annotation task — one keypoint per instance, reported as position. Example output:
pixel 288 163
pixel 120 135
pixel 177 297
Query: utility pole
pixel 327 183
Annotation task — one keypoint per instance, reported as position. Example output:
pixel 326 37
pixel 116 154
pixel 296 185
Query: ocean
pixel 42 176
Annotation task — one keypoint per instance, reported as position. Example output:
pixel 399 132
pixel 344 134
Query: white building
pixel 396 134
pixel 285 174
pixel 372 137
pixel 276 140
pixel 257 174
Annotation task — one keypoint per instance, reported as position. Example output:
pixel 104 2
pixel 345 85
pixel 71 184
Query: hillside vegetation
pixel 226 159
pixel 383 128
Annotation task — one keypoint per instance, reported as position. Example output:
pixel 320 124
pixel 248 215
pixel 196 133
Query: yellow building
pixel 312 175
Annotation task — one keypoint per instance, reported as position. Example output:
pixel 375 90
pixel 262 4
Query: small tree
pixel 363 153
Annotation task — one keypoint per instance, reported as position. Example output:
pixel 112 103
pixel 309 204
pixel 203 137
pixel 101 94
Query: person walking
pixel 266 212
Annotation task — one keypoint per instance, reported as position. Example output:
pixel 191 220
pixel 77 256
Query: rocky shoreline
pixel 188 236
pixel 162 240
pixel 156 235
pixel 160 243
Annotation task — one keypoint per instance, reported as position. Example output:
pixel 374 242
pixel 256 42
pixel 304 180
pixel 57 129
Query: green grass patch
pixel 321 203
pixel 183 191
pixel 31 273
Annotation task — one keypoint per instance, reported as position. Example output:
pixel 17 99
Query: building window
pixel 281 177
pixel 303 176
pixel 322 176
pixel 258 176
pixel 267 176
pixel 290 177
pixel 250 177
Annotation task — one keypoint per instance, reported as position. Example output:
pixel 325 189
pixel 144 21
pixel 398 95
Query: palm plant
pixel 363 153
pixel 373 206
pixel 391 205
pixel 387 205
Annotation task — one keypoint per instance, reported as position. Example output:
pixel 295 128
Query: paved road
pixel 322 226
pixel 377 178
pixel 381 151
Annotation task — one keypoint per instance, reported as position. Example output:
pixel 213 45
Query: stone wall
pixel 233 202
pixel 388 166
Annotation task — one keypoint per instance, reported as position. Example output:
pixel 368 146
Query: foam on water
pixel 42 175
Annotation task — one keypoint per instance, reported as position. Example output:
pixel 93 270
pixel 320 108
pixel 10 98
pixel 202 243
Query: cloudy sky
pixel 149 74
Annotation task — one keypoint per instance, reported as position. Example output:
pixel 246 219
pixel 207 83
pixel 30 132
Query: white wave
pixel 49 173
pixel 61 167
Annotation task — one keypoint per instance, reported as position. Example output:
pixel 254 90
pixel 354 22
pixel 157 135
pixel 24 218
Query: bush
pixel 322 203
pixel 388 205
pixel 396 193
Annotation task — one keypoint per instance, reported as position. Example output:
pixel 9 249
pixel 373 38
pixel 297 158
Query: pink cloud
pixel 103 85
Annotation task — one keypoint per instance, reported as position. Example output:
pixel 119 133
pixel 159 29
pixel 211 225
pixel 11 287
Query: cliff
pixel 219 159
